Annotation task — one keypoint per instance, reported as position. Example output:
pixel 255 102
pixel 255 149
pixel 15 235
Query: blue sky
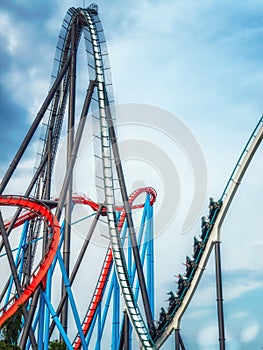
pixel 201 61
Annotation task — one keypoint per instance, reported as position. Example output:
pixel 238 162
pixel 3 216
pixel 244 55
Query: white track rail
pixel 96 57
pixel 227 197
pixel 118 254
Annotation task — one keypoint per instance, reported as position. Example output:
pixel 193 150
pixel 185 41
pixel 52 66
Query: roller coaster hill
pixel 45 274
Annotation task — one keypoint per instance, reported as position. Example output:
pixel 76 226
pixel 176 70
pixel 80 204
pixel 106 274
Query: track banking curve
pixel 215 233
pixel 38 276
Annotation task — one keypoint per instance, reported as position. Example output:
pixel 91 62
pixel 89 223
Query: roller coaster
pixel 98 304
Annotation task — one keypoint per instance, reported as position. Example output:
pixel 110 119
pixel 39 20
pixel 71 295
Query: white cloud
pixel 243 328
pixel 240 287
pixel 206 296
pixel 202 313
pixel 207 337
pixel 10 33
pixel 250 332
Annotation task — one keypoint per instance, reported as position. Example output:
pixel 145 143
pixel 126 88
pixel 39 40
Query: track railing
pixel 213 233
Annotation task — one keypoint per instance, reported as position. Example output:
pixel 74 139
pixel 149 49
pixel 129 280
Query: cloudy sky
pixel 201 62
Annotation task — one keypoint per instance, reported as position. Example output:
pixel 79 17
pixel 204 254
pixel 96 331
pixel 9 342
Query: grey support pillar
pixel 219 293
pixel 177 341
pixel 70 143
pixel 179 345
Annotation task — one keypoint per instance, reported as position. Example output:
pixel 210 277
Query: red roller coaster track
pixel 37 209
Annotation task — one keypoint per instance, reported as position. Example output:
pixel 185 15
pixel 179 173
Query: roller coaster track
pixel 78 21
pixel 215 232
pixel 107 264
pixel 38 276
pixel 77 199
pixel 108 143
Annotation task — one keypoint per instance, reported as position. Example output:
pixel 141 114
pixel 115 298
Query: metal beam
pixel 177 342
pixel 77 264
pixel 34 126
pixel 78 136
pixel 70 143
pixel 14 273
pixel 179 345
pixel 130 224
pixel 219 292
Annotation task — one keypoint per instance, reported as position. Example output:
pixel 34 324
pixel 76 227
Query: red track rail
pixel 79 199
pixel 36 208
pixel 97 296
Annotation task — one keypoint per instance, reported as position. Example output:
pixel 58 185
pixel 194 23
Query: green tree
pixel 11 330
pixel 56 345
pixel 5 346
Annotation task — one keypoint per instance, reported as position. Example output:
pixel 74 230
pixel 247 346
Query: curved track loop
pixel 26 216
pixel 38 276
pixel 107 264
pixel 217 221
pixel 81 199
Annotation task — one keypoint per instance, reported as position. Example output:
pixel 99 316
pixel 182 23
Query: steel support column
pixel 78 136
pixel 130 224
pixel 14 273
pixel 179 345
pixel 177 342
pixel 181 342
pixel 77 264
pixel 70 142
pixel 33 127
pixel 219 292
pixel 26 194
pixel 126 332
